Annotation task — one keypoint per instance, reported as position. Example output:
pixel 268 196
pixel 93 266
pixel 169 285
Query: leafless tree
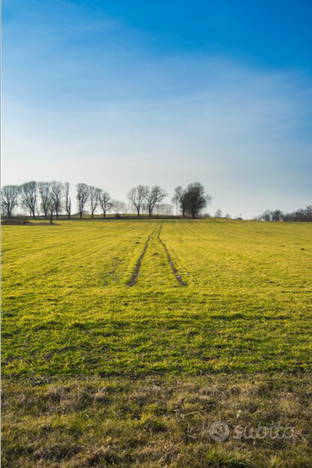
pixel 277 215
pixel 164 209
pixel 137 196
pixel 94 197
pixel 154 196
pixel 29 197
pixel 82 197
pixel 51 205
pixel 267 215
pixel 105 202
pixel 9 199
pixel 67 199
pixel 218 214
pixel 44 192
pixel 118 206
pixel 57 190
pixel 180 199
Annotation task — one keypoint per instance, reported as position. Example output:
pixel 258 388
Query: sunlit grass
pixel 93 302
pixel 246 305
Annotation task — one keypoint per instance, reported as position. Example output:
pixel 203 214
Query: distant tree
pixel 94 197
pixel 154 196
pixel 164 209
pixel 228 216
pixel 308 211
pixel 57 190
pixel 277 215
pixel 44 192
pixel 82 197
pixel 180 199
pixel 67 199
pixel 196 199
pixel 218 214
pixel 267 215
pixel 29 197
pixel 51 206
pixel 106 202
pixel 137 196
pixel 302 215
pixel 9 199
pixel 118 206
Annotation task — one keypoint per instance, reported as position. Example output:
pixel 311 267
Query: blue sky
pixel 117 93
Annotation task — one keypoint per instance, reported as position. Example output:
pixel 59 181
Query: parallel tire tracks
pixel 173 268
pixel 132 281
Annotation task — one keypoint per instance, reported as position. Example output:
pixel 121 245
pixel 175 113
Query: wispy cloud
pixel 91 101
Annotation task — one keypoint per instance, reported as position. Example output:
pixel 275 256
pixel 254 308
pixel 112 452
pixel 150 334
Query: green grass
pixel 246 306
pixel 152 299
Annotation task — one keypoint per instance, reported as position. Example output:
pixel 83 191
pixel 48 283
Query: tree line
pixel 52 199
pixel 304 214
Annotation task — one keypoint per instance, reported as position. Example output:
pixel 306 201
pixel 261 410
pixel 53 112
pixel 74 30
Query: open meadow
pixel 124 340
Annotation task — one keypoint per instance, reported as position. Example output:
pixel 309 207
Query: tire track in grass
pixel 173 268
pixel 132 281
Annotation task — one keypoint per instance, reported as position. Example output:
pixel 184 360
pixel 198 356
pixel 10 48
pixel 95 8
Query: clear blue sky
pixel 116 93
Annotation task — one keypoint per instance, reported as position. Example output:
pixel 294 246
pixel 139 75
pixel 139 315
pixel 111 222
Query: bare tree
pixel 154 196
pixel 308 212
pixel 67 199
pixel 9 199
pixel 164 209
pixel 118 206
pixel 57 190
pixel 180 199
pixel 176 197
pixel 44 192
pixel 94 197
pixel 137 196
pixel 277 215
pixel 51 208
pixel 82 197
pixel 267 215
pixel 29 197
pixel 105 202
pixel 218 214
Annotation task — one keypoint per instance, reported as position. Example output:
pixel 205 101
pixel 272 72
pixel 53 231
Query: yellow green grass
pixel 190 303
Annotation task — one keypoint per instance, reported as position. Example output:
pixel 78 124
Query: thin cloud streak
pixel 113 113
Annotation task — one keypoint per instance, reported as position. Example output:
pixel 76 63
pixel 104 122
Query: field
pixel 124 340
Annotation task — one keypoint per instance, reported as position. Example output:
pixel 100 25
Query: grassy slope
pixel 68 314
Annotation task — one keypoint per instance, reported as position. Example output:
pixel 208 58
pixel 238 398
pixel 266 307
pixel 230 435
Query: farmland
pixel 124 338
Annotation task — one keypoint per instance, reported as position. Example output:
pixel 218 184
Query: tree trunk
pixel 51 217
pixel 80 214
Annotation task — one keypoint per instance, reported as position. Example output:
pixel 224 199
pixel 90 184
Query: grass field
pixel 124 340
